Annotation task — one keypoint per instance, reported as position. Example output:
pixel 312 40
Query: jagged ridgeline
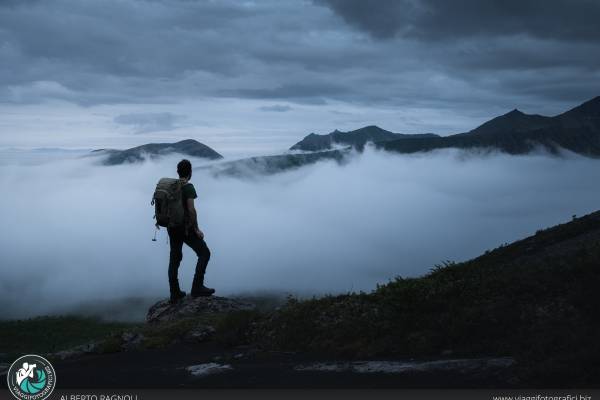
pixel 577 130
pixel 356 139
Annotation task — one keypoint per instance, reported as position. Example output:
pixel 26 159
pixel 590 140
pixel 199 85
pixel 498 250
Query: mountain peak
pixel 371 128
pixel 514 120
pixel 515 112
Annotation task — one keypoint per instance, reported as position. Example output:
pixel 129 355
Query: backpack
pixel 168 207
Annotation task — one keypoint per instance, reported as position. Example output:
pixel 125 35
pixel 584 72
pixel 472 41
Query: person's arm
pixel 194 218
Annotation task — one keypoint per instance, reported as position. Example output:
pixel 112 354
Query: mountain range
pixel 577 130
pixel 356 139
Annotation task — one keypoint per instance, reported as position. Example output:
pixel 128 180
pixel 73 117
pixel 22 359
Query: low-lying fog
pixel 76 233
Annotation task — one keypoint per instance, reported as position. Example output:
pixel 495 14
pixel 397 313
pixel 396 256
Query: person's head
pixel 184 169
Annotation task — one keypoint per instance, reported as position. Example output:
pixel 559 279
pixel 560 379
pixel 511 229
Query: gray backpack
pixel 168 207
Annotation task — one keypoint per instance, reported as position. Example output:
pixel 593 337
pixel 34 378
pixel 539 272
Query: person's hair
pixel 184 168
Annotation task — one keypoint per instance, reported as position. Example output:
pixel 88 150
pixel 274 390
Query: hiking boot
pixel 202 291
pixel 177 297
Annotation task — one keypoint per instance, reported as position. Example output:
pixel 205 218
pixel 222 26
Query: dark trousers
pixel 177 237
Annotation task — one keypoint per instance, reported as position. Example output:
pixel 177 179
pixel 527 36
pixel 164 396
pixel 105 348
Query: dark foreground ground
pixel 162 363
pixel 167 369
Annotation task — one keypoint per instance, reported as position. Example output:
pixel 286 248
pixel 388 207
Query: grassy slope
pixel 50 334
pixel 536 299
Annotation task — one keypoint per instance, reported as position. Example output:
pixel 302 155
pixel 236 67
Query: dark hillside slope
pixel 537 300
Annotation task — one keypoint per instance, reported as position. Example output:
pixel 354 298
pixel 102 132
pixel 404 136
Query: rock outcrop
pixel 164 311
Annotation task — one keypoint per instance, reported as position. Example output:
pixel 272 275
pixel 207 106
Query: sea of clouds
pixel 76 233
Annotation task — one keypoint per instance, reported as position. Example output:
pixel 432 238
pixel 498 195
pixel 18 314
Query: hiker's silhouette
pixel 174 209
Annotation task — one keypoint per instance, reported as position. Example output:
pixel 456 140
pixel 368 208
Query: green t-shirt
pixel 187 192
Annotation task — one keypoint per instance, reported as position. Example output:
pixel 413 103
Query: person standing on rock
pixel 190 234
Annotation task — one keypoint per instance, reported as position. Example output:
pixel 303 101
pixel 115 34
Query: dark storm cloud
pixel 121 51
pixel 535 51
pixel 475 57
pixel 447 20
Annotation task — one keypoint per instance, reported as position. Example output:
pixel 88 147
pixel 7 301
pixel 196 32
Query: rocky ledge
pixel 164 311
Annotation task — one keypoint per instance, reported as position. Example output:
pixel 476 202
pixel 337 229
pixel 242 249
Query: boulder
pixel 164 311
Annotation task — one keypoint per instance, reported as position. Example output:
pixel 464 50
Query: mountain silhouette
pixel 512 121
pixel 577 130
pixel 268 165
pixel 515 132
pixel 357 138
pixel 189 147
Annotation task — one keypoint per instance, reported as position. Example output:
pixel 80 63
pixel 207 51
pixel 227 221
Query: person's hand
pixel 200 234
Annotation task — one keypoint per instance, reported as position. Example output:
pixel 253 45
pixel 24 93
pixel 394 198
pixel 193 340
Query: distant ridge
pixel 576 130
pixel 189 147
pixel 357 138
pixel 268 165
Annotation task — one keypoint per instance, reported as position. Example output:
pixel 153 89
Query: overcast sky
pixel 255 77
